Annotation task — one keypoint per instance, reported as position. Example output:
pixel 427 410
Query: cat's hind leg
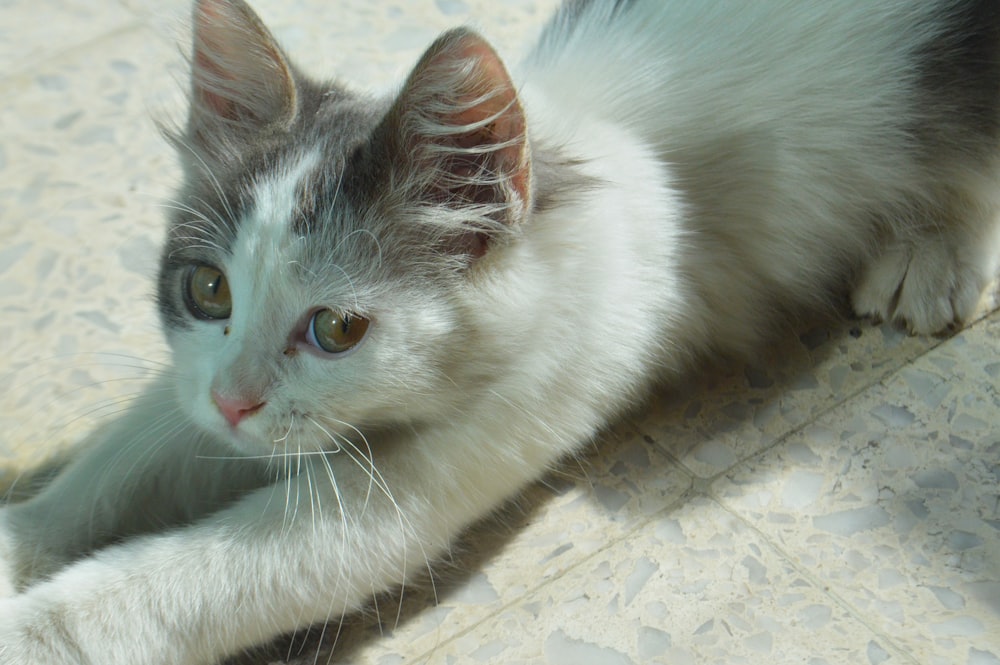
pixel 930 280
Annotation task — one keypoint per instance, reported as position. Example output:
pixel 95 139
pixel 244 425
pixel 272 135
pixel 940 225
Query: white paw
pixel 926 288
pixel 27 636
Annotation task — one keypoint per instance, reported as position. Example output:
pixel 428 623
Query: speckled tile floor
pixel 839 505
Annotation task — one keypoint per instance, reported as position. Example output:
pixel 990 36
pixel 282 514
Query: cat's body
pixel 388 316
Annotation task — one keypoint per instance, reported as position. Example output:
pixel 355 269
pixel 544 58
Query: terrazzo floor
pixel 839 503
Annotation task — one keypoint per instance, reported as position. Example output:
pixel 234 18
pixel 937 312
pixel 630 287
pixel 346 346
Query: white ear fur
pixel 239 74
pixel 461 126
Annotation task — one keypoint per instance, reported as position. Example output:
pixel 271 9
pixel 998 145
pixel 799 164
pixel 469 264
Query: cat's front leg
pixel 145 470
pixel 306 550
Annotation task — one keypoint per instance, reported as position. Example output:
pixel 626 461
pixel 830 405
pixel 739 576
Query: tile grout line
pixel 825 589
pixel 703 486
pixel 882 380
pixel 786 555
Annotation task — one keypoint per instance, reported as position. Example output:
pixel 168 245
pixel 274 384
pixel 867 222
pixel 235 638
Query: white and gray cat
pixel 388 315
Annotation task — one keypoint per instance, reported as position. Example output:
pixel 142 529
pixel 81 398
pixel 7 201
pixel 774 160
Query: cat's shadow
pixel 796 358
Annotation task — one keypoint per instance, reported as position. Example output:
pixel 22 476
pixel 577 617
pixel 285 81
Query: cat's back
pixel 786 128
pixel 673 66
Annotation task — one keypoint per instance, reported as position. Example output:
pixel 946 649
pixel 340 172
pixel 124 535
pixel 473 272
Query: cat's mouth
pixel 260 432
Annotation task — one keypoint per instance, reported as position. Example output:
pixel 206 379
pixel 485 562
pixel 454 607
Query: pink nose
pixel 235 410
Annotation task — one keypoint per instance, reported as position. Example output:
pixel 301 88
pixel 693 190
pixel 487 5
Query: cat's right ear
pixel 240 78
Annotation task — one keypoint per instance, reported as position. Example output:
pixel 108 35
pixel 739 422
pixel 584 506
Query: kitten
pixel 388 315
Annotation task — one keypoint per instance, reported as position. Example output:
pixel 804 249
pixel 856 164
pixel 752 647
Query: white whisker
pixel 333 440
pixel 291 424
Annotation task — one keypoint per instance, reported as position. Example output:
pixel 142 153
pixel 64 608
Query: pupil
pixel 216 283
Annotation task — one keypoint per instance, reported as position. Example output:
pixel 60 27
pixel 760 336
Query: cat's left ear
pixel 239 77
pixel 458 126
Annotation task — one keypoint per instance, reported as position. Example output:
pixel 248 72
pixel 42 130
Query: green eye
pixel 207 293
pixel 336 333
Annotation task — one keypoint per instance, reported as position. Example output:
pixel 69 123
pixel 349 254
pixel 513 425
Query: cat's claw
pixel 923 288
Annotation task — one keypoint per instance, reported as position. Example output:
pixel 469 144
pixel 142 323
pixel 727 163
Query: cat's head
pixel 319 261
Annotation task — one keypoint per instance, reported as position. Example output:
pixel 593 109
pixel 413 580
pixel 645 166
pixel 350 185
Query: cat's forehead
pixel 295 215
pixel 278 197
pixel 305 169
pixel 293 181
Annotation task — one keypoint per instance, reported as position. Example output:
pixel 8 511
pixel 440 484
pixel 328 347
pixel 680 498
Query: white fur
pixel 643 269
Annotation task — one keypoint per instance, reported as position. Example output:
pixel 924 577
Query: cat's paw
pixel 25 639
pixel 41 629
pixel 926 288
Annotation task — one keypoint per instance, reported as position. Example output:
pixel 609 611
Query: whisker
pixel 344 532
pixel 291 423
pixel 370 456
pixel 324 430
pixel 376 479
pixel 406 526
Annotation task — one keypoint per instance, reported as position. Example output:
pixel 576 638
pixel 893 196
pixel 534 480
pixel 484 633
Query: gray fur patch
pixel 958 90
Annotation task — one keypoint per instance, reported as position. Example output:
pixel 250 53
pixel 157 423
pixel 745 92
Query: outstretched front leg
pixel 148 470
pixel 305 550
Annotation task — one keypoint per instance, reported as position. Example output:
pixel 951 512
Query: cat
pixel 387 315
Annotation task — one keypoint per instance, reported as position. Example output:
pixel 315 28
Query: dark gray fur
pixel 959 85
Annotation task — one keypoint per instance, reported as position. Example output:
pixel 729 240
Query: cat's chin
pixel 246 442
pixel 261 443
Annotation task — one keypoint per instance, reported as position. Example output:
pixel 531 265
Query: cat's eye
pixel 335 333
pixel 207 293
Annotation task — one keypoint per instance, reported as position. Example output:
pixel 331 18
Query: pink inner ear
pixel 208 18
pixel 207 93
pixel 239 70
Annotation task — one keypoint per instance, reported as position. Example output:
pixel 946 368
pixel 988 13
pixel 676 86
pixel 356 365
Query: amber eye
pixel 335 333
pixel 207 293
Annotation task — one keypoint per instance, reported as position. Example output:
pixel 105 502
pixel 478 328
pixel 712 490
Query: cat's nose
pixel 235 410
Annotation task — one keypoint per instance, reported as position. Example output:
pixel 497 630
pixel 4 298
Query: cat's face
pixel 315 278
pixel 314 339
